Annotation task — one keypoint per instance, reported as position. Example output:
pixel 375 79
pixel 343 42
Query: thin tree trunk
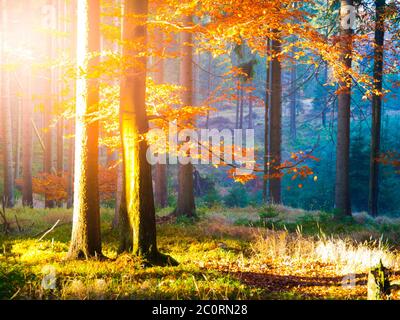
pixel 276 125
pixel 293 101
pixel 342 188
pixel 241 107
pixel 70 165
pixel 325 99
pixel 47 117
pixel 250 126
pixel 17 173
pixel 376 109
pixel 86 238
pixel 186 204
pixel 27 145
pixel 266 123
pixel 209 85
pixel 8 195
pixel 118 197
pixel 160 172
pixel 237 105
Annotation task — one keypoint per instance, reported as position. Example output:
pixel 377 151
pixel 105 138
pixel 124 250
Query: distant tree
pixel 48 80
pixel 160 170
pixel 275 122
pixel 186 204
pixel 27 145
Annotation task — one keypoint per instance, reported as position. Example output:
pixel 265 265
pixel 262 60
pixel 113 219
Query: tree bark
pixel 342 187
pixel 27 145
pixel 160 172
pixel 86 239
pixel 376 109
pixel 118 197
pixel 276 123
pixel 293 100
pixel 266 123
pixel 186 204
pixel 18 140
pixel 140 225
pixel 8 195
pixel 70 165
pixel 47 116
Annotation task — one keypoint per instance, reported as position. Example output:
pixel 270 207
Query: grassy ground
pixel 227 254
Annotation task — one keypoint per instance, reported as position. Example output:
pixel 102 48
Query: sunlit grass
pixel 218 260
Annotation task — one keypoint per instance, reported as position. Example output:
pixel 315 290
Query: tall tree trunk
pixel 276 123
pixel 342 188
pixel 70 125
pixel 186 204
pixel 209 85
pixel 376 109
pixel 86 239
pixel 18 140
pixel 237 105
pixel 266 122
pixel 140 210
pixel 8 195
pixel 58 88
pixel 241 106
pixel 160 172
pixel 325 98
pixel 293 100
pixel 70 165
pixel 250 126
pixel 47 116
pixel 118 197
pixel 27 145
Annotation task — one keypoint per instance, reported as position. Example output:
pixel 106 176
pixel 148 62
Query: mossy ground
pixel 218 259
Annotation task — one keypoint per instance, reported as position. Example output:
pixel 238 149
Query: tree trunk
pixel 293 100
pixel 58 88
pixel 70 165
pixel 342 188
pixel 209 86
pixel 237 105
pixel 276 126
pixel 161 192
pixel 250 126
pixel 27 145
pixel 160 172
pixel 325 99
pixel 186 204
pixel 86 239
pixel 376 109
pixel 140 223
pixel 266 123
pixel 18 142
pixel 8 195
pixel 47 116
pixel 241 106
pixel 118 197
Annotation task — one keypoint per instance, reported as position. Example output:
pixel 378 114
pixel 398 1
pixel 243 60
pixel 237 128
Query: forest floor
pixel 226 254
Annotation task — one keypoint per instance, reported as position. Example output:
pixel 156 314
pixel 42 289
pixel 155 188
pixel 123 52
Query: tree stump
pixel 378 282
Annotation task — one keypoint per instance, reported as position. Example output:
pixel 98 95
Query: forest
pixel 199 150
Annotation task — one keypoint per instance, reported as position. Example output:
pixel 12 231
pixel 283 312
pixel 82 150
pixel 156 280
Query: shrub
pixel 237 197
